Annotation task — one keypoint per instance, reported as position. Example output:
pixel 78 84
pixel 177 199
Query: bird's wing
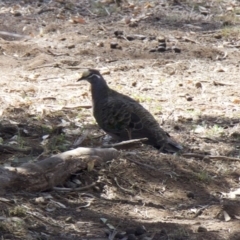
pixel 119 115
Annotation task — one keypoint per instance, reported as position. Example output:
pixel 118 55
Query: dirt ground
pixel 180 60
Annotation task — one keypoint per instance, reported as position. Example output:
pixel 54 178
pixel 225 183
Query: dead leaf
pixel 148 5
pixel 236 101
pixel 77 20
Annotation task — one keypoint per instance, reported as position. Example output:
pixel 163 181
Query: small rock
pixel 162 44
pixel 131 237
pixel 161 39
pixel 151 38
pixel 71 46
pixel 199 129
pixel 176 50
pixel 118 33
pixel 113 45
pixel 69 220
pixel 134 84
pixel 153 50
pixel 133 24
pixel 100 44
pixel 218 36
pixel 177 128
pixel 40 200
pixel 198 85
pixel 136 37
pixel 140 230
pixel 130 38
pixel 190 195
pixel 202 229
pixel 161 49
pixel 127 20
pixel 235 134
pixel 189 98
pixel 17 14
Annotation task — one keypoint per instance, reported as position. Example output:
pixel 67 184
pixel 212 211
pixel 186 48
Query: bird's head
pixel 93 76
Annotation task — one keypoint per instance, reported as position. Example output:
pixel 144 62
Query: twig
pixel 2 33
pixel 222 158
pixel 124 189
pixel 10 149
pixel 45 10
pixel 91 12
pixel 189 155
pixel 107 11
pixel 56 54
pixel 153 168
pixel 47 65
pixel 75 189
pixel 194 155
pixel 124 143
pixel 79 106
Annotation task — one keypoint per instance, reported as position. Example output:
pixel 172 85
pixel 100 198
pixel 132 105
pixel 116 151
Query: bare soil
pixel 190 84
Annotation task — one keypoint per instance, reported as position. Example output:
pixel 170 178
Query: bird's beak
pixel 80 79
pixel 83 75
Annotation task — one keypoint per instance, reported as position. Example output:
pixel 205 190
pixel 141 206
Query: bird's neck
pixel 99 91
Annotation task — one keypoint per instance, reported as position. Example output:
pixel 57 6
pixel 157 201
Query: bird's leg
pixel 129 133
pixel 162 147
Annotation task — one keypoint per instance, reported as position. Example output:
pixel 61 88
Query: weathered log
pixel 52 171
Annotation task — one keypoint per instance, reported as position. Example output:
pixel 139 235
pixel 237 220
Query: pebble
pixel 140 230
pixel 161 49
pixel 176 50
pixel 161 39
pixel 202 229
pixel 190 195
pixel 113 45
pixel 153 50
pixel 131 237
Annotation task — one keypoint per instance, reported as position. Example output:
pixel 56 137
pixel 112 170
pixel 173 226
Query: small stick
pixel 2 33
pixel 75 189
pixel 124 143
pixel 188 155
pixel 124 189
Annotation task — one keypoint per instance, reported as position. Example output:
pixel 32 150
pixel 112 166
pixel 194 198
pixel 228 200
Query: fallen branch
pixel 52 171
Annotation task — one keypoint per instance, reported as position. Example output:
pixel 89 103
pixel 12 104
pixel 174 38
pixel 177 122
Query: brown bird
pixel 123 118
